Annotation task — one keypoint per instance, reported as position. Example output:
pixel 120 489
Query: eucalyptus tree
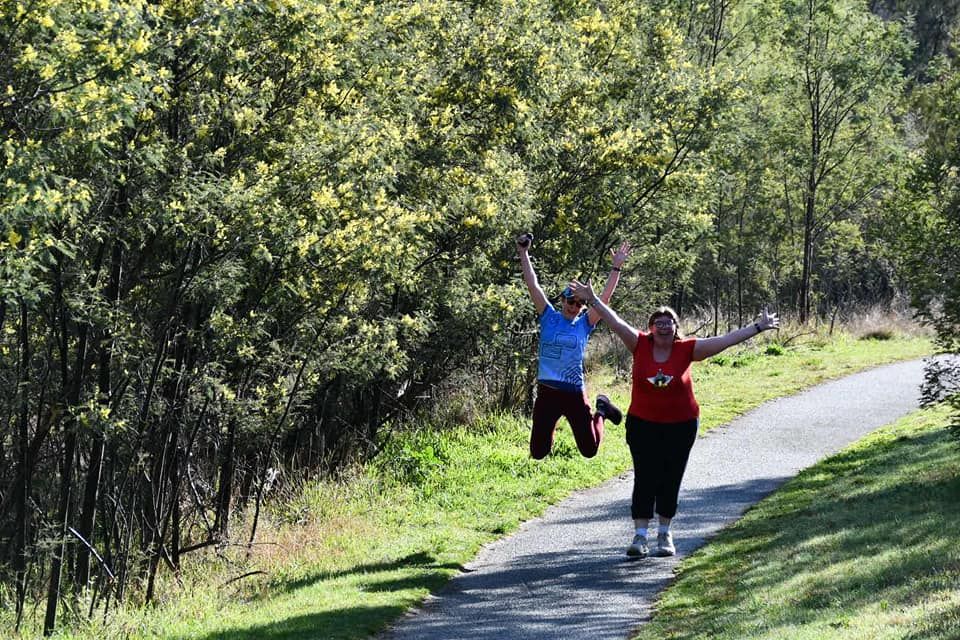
pixel 836 73
pixel 739 259
pixel 784 167
pixel 623 115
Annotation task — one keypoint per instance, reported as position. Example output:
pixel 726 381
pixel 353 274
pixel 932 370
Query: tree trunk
pixel 225 491
pixel 716 304
pixel 91 489
pixel 812 87
pixel 23 483
pixel 63 520
pixel 805 276
pixel 74 388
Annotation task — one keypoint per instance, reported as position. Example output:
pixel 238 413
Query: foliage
pixel 240 241
pixel 244 237
pixel 932 23
pixel 927 218
pixel 804 154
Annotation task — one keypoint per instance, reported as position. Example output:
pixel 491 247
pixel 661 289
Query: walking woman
pixel 664 416
pixel 561 389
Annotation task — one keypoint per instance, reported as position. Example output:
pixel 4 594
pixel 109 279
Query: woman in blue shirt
pixel 561 389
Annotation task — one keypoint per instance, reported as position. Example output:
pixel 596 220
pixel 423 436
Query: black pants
pixel 660 451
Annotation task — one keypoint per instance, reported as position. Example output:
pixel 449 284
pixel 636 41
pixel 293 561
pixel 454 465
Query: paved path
pixel 565 575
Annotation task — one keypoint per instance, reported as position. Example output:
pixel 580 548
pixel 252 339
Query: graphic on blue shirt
pixel 562 344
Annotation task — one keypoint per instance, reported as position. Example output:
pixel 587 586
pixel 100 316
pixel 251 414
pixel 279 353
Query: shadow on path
pixel 330 625
pixel 580 559
pixel 420 560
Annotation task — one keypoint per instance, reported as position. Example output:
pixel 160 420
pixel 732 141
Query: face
pixel 572 306
pixel 663 325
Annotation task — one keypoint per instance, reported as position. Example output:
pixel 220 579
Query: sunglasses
pixel 573 302
pixel 663 323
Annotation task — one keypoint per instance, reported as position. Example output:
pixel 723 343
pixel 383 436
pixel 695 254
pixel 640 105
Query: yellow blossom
pixel 140 44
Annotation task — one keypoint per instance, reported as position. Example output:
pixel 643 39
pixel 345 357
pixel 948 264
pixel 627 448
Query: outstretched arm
pixel 627 334
pixel 617 259
pixel 706 347
pixel 530 278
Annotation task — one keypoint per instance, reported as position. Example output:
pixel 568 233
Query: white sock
pixel 642 532
pixel 664 528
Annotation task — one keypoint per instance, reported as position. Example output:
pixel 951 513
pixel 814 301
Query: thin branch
pixel 96 555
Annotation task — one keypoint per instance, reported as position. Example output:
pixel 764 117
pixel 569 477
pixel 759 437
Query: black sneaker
pixel 608 410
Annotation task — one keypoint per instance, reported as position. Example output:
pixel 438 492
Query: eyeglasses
pixel 663 322
pixel 573 302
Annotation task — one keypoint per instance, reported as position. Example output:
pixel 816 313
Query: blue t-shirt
pixel 562 344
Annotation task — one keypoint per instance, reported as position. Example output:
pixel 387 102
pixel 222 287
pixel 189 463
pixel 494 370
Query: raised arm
pixel 627 334
pixel 706 347
pixel 617 258
pixel 530 276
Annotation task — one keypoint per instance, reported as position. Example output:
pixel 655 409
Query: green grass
pixel 342 560
pixel 863 545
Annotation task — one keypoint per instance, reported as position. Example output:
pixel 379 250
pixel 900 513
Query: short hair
pixel 666 312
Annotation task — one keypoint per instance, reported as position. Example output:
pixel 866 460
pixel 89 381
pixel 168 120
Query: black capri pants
pixel 659 451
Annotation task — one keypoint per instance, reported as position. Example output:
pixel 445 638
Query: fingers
pixel 768 320
pixel 579 288
pixel 619 256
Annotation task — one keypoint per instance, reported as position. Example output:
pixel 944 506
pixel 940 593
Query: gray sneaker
pixel 664 545
pixel 638 548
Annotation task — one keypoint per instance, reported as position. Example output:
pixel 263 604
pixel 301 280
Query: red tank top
pixel 663 391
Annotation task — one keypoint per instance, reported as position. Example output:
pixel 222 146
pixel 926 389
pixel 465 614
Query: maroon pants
pixel 549 406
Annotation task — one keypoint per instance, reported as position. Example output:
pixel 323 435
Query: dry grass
pixel 883 324
pixel 878 322
pixel 290 524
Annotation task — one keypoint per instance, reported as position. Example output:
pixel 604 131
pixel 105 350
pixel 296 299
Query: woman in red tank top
pixel 664 415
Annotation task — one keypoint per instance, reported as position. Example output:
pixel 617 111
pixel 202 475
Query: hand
pixel 768 320
pixel 524 240
pixel 619 256
pixel 583 291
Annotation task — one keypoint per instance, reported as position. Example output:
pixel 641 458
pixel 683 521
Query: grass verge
pixel 342 560
pixel 861 545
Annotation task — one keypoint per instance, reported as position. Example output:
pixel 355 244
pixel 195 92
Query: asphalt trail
pixel 565 575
